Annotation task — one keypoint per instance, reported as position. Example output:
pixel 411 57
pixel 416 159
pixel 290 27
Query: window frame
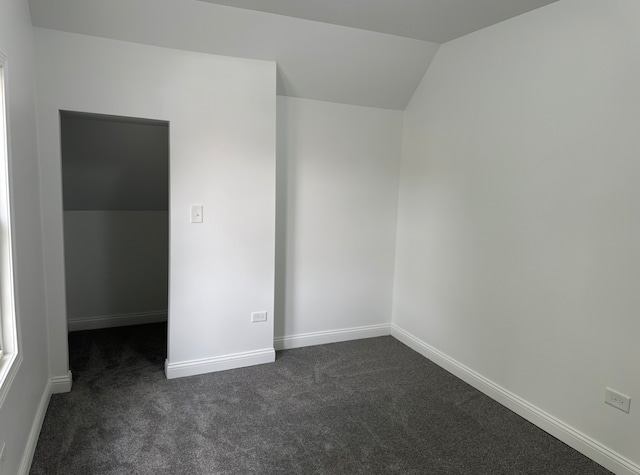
pixel 10 356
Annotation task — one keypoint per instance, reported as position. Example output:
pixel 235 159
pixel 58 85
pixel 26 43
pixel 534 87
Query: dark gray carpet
pixel 363 407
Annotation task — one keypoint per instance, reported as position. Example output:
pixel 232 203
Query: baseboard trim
pixel 219 363
pixel 36 426
pixel 61 384
pixel 567 434
pixel 121 320
pixel 331 336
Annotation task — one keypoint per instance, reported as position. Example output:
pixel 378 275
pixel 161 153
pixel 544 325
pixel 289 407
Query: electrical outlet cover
pixel 259 317
pixel 617 400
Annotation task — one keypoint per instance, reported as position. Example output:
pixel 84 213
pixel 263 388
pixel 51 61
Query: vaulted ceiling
pixel 438 21
pixel 362 52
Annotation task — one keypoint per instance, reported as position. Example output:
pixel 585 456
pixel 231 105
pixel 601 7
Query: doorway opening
pixel 115 188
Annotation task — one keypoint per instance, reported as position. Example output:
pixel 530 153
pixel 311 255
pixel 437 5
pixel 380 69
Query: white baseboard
pixel 122 320
pixel 331 336
pixel 567 434
pixel 219 363
pixel 34 433
pixel 61 384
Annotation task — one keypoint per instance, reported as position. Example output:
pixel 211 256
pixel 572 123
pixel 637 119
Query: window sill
pixel 9 365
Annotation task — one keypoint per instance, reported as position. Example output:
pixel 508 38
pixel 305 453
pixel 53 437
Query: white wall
pixel 116 265
pixel 114 163
pixel 28 394
pixel 338 169
pixel 315 60
pixel 518 249
pixel 222 155
pixel 115 175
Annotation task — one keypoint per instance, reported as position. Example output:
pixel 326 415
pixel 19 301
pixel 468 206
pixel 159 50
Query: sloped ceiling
pixel 438 21
pixel 114 163
pixel 360 63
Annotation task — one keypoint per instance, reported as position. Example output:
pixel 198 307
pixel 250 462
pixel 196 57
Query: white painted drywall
pixel 338 169
pixel 518 248
pixel 116 263
pixel 114 163
pixel 222 115
pixel 115 175
pixel 20 407
pixel 315 60
pixel 428 20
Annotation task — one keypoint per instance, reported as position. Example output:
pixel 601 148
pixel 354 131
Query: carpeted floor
pixel 363 407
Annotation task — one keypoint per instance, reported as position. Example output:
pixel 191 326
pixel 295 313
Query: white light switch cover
pixel 196 213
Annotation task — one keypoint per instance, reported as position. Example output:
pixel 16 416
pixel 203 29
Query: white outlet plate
pixel 617 400
pixel 257 317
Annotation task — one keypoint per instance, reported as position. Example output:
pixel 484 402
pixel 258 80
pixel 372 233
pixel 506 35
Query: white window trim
pixel 10 357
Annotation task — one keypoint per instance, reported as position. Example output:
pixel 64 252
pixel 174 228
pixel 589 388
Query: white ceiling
pixel 316 60
pixel 428 20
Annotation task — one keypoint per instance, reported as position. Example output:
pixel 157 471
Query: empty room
pixel 382 236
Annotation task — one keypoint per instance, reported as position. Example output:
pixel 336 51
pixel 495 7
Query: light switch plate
pixel 196 213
